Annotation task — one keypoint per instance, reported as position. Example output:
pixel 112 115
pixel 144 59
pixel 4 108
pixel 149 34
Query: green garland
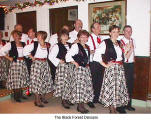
pixel 37 2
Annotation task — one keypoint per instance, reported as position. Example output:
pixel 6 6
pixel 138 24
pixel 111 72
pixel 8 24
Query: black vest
pixel 13 52
pixel 62 51
pixel 81 58
pixel 33 52
pixel 110 53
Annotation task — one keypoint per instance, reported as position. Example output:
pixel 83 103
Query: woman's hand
pixel 75 63
pixel 62 61
pixel 10 59
pixel 33 59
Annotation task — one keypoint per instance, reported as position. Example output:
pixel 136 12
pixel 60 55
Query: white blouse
pixel 40 53
pixel 73 51
pixel 53 54
pixel 6 48
pixel 101 50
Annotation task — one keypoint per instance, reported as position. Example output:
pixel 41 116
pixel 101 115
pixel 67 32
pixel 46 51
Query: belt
pixel 20 58
pixel 1 56
pixel 41 59
pixel 117 62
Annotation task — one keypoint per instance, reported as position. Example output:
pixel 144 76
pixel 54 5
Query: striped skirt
pixel 40 78
pixel 114 90
pixel 18 75
pixel 81 87
pixel 3 69
pixel 63 81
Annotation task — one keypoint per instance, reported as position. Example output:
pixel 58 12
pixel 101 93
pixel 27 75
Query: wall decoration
pixel 107 14
pixel 72 14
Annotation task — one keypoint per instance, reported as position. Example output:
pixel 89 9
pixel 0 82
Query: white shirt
pixel 6 48
pixel 73 51
pixel 73 36
pixel 53 54
pixel 0 49
pixel 29 40
pixel 90 44
pixel 24 38
pixel 53 40
pixel 101 50
pixel 40 53
pixel 131 58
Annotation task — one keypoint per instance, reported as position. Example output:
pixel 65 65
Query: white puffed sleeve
pixel 27 49
pixel 5 49
pixel 53 55
pixel 99 51
pixel 73 51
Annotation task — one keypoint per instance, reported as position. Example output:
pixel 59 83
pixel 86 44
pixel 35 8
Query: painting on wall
pixel 72 14
pixel 108 14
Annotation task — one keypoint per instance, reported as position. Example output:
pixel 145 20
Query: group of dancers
pixel 77 66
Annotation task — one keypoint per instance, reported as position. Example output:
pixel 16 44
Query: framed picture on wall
pixel 108 14
pixel 72 14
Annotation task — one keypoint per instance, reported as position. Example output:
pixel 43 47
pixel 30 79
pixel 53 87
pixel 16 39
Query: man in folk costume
pixel 73 34
pixel 96 69
pixel 24 36
pixel 31 36
pixel 128 46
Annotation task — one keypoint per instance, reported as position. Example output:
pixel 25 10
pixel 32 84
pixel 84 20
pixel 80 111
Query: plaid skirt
pixel 18 75
pixel 81 87
pixel 3 69
pixel 40 78
pixel 63 81
pixel 114 90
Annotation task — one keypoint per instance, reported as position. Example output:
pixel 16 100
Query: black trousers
pixel 129 75
pixel 97 72
pixel 28 64
pixel 53 70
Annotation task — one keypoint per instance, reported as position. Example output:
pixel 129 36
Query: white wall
pixel 138 16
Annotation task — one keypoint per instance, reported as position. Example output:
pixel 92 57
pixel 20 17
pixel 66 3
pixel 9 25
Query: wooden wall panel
pixel 27 20
pixel 141 82
pixel 59 17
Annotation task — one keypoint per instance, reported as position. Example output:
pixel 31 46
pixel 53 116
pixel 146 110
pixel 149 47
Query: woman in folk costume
pixel 3 63
pixel 57 57
pixel 109 54
pixel 81 87
pixel 18 74
pixel 40 77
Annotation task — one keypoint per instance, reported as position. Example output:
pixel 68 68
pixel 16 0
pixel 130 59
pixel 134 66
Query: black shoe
pixel 38 105
pixel 71 104
pixel 130 108
pixel 91 105
pixel 18 100
pixel 84 111
pixel 120 110
pixel 65 105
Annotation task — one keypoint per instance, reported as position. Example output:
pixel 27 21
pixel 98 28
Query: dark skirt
pixel 40 78
pixel 3 68
pixel 114 90
pixel 18 75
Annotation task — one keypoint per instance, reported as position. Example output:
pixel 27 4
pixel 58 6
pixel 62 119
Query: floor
pixel 54 106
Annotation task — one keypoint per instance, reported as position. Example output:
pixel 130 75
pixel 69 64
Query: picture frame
pixel 108 14
pixel 72 14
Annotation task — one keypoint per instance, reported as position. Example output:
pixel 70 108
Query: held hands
pixel 33 59
pixel 10 59
pixel 92 51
